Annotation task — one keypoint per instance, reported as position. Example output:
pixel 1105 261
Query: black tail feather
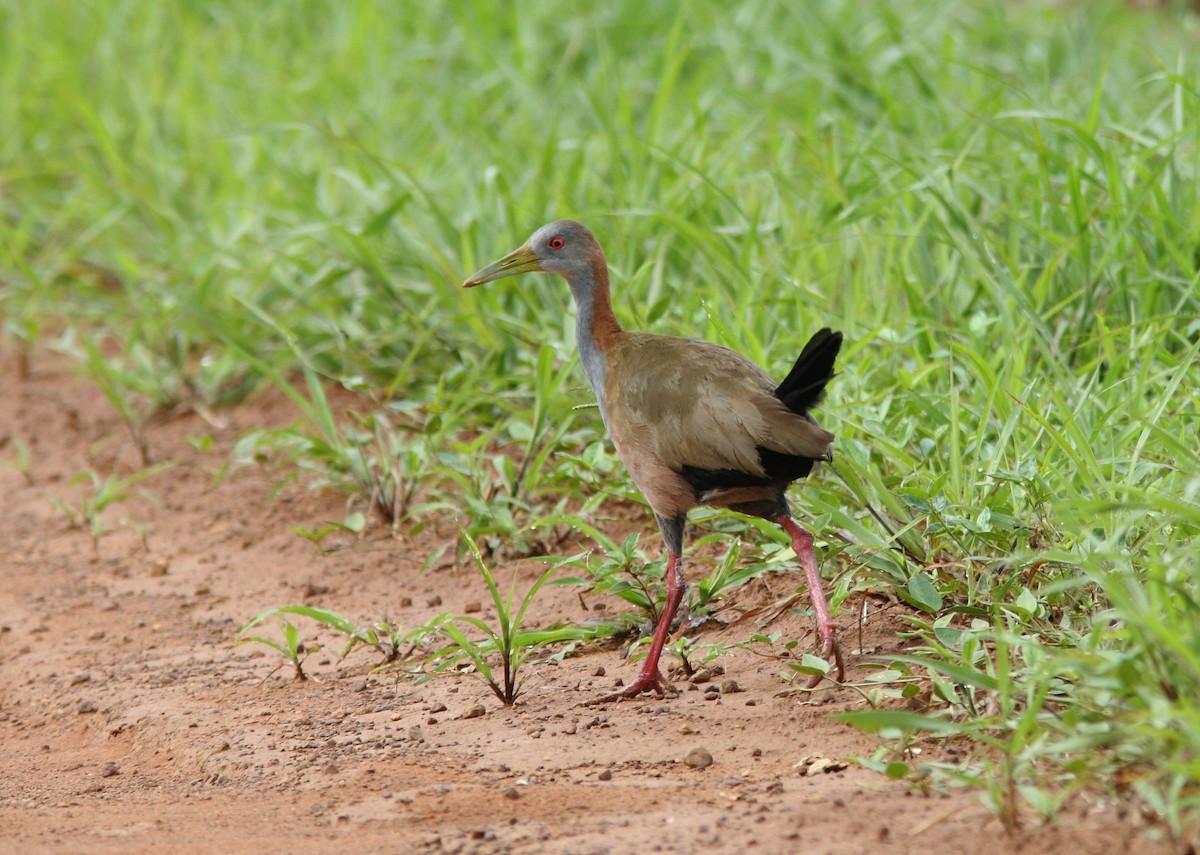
pixel 802 389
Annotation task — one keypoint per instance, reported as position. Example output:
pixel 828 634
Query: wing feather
pixel 700 405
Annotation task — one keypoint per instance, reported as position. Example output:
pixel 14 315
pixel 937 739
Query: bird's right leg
pixel 649 678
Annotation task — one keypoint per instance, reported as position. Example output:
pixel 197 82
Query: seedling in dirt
pixel 119 387
pixel 354 524
pixel 382 636
pixel 625 573
pixel 509 642
pixel 291 647
pixel 105 492
pixel 22 463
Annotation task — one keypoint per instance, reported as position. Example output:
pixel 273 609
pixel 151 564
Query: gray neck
pixel 590 354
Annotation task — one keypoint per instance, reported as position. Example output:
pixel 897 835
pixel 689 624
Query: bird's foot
pixel 829 648
pixel 644 684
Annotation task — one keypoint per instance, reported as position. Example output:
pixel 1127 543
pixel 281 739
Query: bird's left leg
pixel 802 543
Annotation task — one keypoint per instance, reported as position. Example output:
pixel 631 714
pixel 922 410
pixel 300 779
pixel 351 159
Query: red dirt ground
pixel 128 723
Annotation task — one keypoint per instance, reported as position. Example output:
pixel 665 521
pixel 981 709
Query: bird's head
pixel 564 247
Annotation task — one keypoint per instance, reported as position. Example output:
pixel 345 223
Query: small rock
pixel 437 707
pixel 817 765
pixel 82 677
pixel 702 675
pixel 405 602
pixel 687 729
pixel 96 635
pixel 598 671
pixel 605 775
pixel 474 711
pixel 698 758
pixel 512 793
pixel 433 600
pixel 472 607
pixel 729 687
pixel 159 567
pixel 109 770
pixel 86 707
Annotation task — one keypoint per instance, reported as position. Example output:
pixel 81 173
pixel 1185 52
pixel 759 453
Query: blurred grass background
pixel 996 202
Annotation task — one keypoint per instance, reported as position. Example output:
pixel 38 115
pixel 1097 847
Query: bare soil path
pixel 128 723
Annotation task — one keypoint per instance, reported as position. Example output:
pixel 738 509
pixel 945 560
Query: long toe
pixel 639 687
pixel 831 651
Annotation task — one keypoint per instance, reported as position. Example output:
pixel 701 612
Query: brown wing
pixel 700 405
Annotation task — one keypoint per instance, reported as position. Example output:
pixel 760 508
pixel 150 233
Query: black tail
pixel 802 389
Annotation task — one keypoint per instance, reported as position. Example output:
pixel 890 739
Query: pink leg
pixel 650 679
pixel 802 543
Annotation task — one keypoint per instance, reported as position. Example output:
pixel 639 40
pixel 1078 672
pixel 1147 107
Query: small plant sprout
pixel 509 642
pixel 354 523
pixel 292 649
pixel 388 640
pixel 104 493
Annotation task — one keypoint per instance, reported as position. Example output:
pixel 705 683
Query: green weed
pixel 509 641
pixel 105 491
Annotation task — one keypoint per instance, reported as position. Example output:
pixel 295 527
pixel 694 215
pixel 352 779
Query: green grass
pixel 996 202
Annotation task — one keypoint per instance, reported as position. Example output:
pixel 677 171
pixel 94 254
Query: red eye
pixel 557 243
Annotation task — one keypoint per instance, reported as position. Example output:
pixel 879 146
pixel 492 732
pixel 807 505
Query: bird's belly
pixel 666 491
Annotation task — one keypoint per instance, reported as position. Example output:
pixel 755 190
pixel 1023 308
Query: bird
pixel 695 423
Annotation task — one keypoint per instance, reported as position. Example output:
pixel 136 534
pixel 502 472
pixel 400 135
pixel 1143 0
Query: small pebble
pixel 605 775
pixel 728 687
pixel 433 600
pixel 437 706
pixel 598 671
pixel 109 770
pixel 474 711
pixel 472 607
pixel 512 793
pixel 86 707
pixel 698 758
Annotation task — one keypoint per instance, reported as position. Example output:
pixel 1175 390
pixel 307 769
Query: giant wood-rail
pixel 694 422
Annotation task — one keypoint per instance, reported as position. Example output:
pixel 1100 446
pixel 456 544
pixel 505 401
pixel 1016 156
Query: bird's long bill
pixel 520 260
